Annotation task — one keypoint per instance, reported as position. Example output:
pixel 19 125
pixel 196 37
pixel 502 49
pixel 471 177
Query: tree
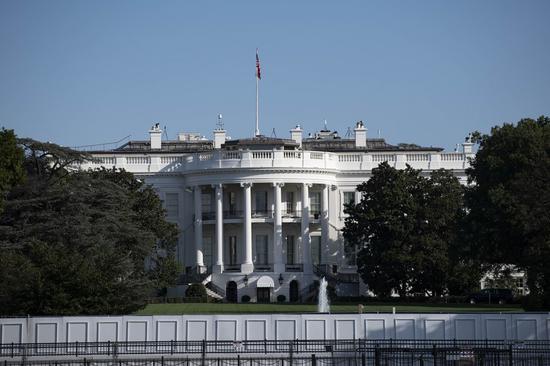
pixel 408 230
pixel 380 226
pixel 77 242
pixel 12 157
pixel 509 200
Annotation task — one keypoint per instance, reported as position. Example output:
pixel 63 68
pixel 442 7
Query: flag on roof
pixel 258 72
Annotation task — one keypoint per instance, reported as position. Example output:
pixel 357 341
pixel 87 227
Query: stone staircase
pixel 212 290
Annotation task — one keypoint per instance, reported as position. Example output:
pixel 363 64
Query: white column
pixel 306 240
pixel 198 228
pixel 218 268
pixel 278 230
pixel 324 224
pixel 247 266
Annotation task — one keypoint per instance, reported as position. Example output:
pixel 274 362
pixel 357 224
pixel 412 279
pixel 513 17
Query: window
pixel 290 205
pixel 261 249
pixel 206 203
pixel 349 198
pixel 261 202
pixel 350 254
pixel 232 202
pixel 207 247
pixel 315 204
pixel 171 205
pixel 290 249
pixel 232 250
pixel 316 250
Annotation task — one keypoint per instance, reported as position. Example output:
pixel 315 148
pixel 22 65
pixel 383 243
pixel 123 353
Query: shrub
pixel 245 298
pixel 281 298
pixel 198 291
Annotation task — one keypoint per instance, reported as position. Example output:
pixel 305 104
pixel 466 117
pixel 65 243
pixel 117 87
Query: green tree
pixel 12 158
pixel 509 200
pixel 408 230
pixel 379 225
pixel 77 242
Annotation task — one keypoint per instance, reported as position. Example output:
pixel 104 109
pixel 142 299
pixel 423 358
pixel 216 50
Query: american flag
pixel 258 72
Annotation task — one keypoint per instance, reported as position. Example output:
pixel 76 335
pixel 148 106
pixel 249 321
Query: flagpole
pixel 257 132
pixel 258 77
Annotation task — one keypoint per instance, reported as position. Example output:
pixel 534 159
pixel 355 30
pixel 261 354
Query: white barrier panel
pixel 511 326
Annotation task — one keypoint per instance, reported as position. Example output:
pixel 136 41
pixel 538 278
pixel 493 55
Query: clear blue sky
pixel 428 72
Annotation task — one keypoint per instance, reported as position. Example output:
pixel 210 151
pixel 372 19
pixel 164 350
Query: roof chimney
pixel 155 134
pixel 360 135
pixel 296 134
pixel 219 138
pixel 467 145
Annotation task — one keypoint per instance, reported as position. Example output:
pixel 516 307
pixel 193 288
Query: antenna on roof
pixel 220 122
pixel 273 134
pixel 379 133
pixel 165 132
pixel 348 133
pixel 326 125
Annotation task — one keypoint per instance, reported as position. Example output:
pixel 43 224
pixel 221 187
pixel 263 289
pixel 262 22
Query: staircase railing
pixel 218 290
pixel 193 275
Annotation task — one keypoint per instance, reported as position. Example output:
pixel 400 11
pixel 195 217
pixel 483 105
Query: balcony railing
pixel 315 215
pixel 232 268
pixel 262 213
pixel 232 214
pixel 157 162
pixel 296 267
pixel 263 267
pixel 238 214
pixel 292 214
pixel 208 215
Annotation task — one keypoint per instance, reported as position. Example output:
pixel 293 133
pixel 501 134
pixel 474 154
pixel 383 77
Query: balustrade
pixel 275 158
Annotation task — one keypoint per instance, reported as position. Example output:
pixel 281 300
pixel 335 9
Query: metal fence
pixel 393 359
pixel 296 352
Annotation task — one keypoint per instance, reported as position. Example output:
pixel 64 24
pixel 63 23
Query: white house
pixel 263 216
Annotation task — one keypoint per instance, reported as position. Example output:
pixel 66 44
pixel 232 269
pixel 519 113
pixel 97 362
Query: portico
pixel 263 205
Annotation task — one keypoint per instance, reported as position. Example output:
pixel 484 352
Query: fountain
pixel 323 305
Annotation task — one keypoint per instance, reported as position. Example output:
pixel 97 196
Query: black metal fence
pixel 399 359
pixel 296 352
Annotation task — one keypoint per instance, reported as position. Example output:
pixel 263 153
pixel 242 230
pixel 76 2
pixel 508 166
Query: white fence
pixel 495 326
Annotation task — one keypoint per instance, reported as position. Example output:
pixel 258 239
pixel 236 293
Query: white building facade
pixel 262 217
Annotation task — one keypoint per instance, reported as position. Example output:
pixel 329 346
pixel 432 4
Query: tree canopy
pixel 12 158
pixel 509 200
pixel 407 228
pixel 77 242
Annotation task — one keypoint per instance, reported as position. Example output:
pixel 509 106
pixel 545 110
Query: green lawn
pixel 218 308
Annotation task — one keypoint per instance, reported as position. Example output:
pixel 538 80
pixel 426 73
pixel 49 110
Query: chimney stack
pixel 360 135
pixel 296 134
pixel 155 134
pixel 219 138
pixel 467 145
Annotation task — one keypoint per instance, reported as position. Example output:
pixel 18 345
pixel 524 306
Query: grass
pixel 252 308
